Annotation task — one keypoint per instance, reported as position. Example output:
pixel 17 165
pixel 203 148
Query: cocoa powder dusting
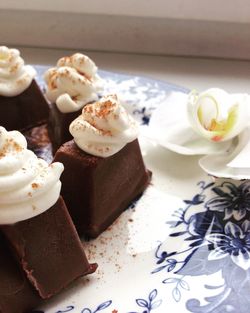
pixel 65 60
pixel 52 80
pixel 100 109
pixel 34 185
pixel 105 109
pixel 88 109
pixel 14 68
pixel 10 145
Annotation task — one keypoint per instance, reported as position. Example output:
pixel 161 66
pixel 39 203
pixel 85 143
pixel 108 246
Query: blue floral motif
pixel 235 242
pixel 144 115
pixel 100 307
pixel 150 304
pixel 231 200
pixel 193 226
pixel 69 308
pixel 215 226
pixel 180 284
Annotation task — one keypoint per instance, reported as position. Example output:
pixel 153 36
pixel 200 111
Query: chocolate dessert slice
pixel 49 250
pixel 104 169
pixel 22 104
pixel 73 83
pixel 35 220
pixel 97 190
pixel 17 295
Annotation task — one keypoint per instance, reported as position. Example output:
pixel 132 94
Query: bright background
pixel 178 27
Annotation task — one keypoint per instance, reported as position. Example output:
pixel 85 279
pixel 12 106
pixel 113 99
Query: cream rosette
pixel 104 127
pixel 28 185
pixel 73 83
pixel 15 76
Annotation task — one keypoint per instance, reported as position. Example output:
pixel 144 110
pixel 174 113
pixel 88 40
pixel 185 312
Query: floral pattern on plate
pixel 215 227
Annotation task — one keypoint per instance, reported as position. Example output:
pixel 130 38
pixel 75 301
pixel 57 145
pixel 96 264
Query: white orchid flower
pixel 217 115
pixel 212 123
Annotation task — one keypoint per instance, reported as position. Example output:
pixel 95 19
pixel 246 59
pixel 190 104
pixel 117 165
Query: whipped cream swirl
pixel 28 185
pixel 73 83
pixel 15 77
pixel 104 127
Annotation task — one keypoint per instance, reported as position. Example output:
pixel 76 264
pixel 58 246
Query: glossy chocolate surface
pixel 25 110
pixel 48 250
pixel 17 295
pixel 97 190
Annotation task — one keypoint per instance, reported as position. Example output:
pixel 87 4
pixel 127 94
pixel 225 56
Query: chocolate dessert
pixel 104 170
pixel 35 220
pixel 49 250
pixel 22 104
pixel 73 83
pixel 17 295
pixel 97 190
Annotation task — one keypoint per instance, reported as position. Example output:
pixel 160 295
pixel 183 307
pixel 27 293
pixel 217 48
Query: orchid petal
pixel 234 163
pixel 241 154
pixel 170 128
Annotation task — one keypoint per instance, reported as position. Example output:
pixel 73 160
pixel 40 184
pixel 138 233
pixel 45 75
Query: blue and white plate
pixel 183 247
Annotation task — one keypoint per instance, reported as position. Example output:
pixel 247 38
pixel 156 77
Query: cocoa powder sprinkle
pixel 8 146
pixel 34 185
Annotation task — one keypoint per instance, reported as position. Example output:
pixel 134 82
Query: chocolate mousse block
pixel 35 220
pixel 22 104
pixel 24 111
pixel 73 83
pixel 97 190
pixel 49 250
pixel 58 125
pixel 17 295
pixel 103 166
